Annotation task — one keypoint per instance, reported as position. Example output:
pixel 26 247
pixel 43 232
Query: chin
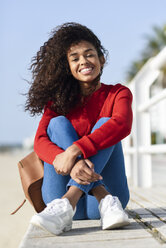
pixel 94 81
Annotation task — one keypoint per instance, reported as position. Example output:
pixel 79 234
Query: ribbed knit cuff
pixel 86 146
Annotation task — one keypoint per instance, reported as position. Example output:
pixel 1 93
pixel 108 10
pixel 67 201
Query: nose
pixel 83 60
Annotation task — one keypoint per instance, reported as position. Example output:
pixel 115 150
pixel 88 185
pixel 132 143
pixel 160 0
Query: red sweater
pixel 108 101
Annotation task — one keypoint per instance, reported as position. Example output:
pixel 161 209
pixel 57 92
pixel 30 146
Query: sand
pixel 12 227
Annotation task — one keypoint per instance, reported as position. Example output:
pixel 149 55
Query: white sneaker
pixel 112 213
pixel 56 217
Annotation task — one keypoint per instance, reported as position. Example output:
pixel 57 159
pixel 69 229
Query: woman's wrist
pixel 74 151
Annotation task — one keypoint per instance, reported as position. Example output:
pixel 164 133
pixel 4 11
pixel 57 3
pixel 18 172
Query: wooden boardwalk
pixel 147 211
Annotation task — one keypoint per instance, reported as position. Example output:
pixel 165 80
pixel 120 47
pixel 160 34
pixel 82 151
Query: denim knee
pixel 56 121
pixel 104 119
pixel 58 124
pixel 100 122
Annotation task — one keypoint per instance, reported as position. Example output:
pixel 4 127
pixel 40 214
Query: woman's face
pixel 84 63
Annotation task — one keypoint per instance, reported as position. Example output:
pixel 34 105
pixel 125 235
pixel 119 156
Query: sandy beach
pixel 12 227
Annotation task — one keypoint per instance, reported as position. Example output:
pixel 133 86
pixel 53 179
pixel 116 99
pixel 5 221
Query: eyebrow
pixel 87 50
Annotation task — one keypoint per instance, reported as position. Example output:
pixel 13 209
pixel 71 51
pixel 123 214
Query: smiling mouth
pixel 86 71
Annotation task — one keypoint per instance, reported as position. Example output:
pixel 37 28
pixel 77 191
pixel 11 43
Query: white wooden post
pixel 142 137
pixel 142 148
pixel 144 163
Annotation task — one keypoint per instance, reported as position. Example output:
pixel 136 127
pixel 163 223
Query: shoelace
pixel 113 203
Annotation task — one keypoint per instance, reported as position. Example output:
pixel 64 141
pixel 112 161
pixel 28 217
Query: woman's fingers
pixel 79 181
pixel 83 174
pixel 89 163
pixel 89 174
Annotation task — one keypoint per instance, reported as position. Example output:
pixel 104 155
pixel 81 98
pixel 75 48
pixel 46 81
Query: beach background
pixel 12 227
pixel 122 26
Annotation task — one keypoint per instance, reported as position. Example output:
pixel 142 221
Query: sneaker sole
pixel 47 226
pixel 117 224
pixel 67 228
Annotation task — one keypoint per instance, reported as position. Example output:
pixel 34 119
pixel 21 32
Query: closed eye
pixel 90 55
pixel 75 59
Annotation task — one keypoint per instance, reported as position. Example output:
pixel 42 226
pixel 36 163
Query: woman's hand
pixel 64 162
pixel 83 172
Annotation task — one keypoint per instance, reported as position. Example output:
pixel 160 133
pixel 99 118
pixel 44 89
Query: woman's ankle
pixel 73 195
pixel 99 192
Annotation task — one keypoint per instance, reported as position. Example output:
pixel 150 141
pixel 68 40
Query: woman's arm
pixel 45 149
pixel 114 130
pixel 49 152
pixel 63 161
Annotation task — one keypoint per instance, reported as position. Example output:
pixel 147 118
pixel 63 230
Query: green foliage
pixel 155 43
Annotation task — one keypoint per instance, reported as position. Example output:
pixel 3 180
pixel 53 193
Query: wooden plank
pixel 89 233
pixel 49 243
pixel 147 229
pixel 152 195
pixel 147 202
pixel 152 217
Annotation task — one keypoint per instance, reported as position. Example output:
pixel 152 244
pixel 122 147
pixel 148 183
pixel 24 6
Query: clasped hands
pixel 80 170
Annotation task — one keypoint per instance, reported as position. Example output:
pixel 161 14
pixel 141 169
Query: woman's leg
pixel 109 163
pixel 114 179
pixel 100 160
pixel 62 133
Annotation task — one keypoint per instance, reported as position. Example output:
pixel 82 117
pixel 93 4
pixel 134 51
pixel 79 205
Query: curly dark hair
pixel 52 80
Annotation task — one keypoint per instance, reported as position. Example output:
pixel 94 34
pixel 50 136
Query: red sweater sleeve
pixel 45 149
pixel 114 130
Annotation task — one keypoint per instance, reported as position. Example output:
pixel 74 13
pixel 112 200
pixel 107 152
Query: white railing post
pixel 144 165
pixel 142 149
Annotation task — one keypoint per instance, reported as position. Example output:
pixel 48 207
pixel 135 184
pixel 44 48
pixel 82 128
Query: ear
pixel 102 60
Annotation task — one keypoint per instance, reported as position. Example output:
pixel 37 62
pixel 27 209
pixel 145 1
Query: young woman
pixel 79 135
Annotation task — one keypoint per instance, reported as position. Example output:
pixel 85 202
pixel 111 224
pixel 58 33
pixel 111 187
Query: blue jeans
pixel 109 163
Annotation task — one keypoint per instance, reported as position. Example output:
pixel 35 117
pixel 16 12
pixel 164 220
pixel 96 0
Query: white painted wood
pixel 141 150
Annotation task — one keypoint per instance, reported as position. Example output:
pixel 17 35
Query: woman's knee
pixel 58 126
pixel 61 132
pixel 57 122
pixel 100 122
pixel 104 119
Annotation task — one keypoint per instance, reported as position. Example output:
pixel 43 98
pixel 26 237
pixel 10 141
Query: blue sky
pixel 25 26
